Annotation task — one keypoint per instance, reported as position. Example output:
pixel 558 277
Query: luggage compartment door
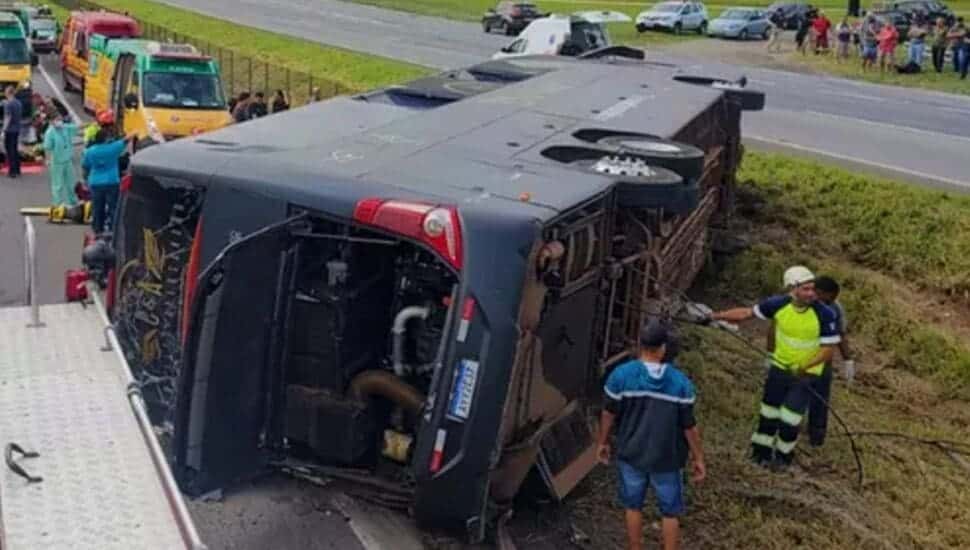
pixel 230 353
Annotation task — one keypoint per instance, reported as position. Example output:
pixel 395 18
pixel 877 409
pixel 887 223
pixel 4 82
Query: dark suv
pixel 931 9
pixel 790 13
pixel 510 17
pixel 427 282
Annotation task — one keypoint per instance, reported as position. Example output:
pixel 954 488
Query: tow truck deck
pixel 99 479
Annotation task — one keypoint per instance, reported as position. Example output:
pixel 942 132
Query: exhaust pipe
pixel 399 331
pixel 384 384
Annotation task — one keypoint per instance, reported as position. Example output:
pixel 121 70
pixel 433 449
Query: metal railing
pixel 240 72
pixel 186 525
pixel 190 534
pixel 30 272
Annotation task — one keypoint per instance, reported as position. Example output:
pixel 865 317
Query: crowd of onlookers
pixel 249 106
pixel 875 40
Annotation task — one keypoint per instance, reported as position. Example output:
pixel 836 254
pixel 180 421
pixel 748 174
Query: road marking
pixel 962 185
pixel 888 126
pixel 59 94
pixel 850 95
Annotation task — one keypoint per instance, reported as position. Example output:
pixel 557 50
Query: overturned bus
pixel 427 281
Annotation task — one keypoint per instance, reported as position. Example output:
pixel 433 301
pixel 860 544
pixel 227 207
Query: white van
pixel 571 35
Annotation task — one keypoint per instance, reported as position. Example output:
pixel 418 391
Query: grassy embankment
pixel 331 68
pixel 903 257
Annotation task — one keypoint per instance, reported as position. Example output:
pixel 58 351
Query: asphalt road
pixel 273 512
pixel 920 136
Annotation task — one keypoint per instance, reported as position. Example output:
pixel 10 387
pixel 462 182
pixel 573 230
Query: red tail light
pixel 125 183
pixel 191 280
pixel 436 226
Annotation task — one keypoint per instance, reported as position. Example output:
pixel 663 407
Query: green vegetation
pixel 912 344
pixel 948 81
pixel 349 71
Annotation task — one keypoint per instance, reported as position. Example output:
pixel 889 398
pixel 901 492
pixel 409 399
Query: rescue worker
pixel 104 119
pixel 100 162
pixel 828 290
pixel 59 149
pixel 12 115
pixel 806 332
pixel 652 404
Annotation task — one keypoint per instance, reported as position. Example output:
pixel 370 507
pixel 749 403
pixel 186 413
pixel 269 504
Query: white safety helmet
pixel 798 275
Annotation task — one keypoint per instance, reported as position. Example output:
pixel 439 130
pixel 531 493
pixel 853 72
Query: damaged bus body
pixel 428 281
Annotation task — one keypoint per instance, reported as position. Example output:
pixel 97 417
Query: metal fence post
pixel 30 271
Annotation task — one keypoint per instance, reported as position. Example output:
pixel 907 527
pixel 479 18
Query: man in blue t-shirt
pixel 652 404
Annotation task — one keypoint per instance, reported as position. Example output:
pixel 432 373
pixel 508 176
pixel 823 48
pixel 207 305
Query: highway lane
pixel 912 134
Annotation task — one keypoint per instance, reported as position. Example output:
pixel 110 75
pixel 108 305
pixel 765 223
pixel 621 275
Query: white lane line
pixel 964 185
pixel 888 126
pixel 850 95
pixel 59 95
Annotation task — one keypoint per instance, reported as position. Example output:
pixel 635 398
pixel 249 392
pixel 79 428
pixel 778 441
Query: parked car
pixel 675 17
pixel 930 8
pixel 741 23
pixel 571 35
pixel 791 13
pixel 510 17
pixel 44 33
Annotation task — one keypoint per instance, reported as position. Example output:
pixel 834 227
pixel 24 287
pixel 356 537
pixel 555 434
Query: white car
pixel 569 35
pixel 675 17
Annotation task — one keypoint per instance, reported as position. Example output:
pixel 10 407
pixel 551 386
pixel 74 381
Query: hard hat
pixel 797 276
pixel 106 117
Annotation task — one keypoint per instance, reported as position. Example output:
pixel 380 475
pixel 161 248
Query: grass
pixel 913 348
pixel 947 81
pixel 347 71
pixel 913 234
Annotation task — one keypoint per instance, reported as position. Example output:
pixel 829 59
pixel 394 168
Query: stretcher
pixel 80 213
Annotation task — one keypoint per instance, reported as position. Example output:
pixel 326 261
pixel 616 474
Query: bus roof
pixel 484 149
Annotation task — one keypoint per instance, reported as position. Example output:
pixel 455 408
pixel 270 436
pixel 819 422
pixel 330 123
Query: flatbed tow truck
pixel 83 467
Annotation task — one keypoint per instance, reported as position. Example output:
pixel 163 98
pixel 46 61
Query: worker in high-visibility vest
pixel 806 333
pixel 104 119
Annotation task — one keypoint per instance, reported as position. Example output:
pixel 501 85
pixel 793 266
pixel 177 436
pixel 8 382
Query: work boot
pixel 761 456
pixel 781 462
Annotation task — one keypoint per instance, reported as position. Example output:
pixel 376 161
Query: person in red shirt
pixel 888 40
pixel 821 27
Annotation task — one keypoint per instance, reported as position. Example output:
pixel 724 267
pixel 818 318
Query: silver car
pixel 741 23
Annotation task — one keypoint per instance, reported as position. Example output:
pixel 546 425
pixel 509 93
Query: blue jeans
pixel 916 50
pixel 104 200
pixel 669 487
